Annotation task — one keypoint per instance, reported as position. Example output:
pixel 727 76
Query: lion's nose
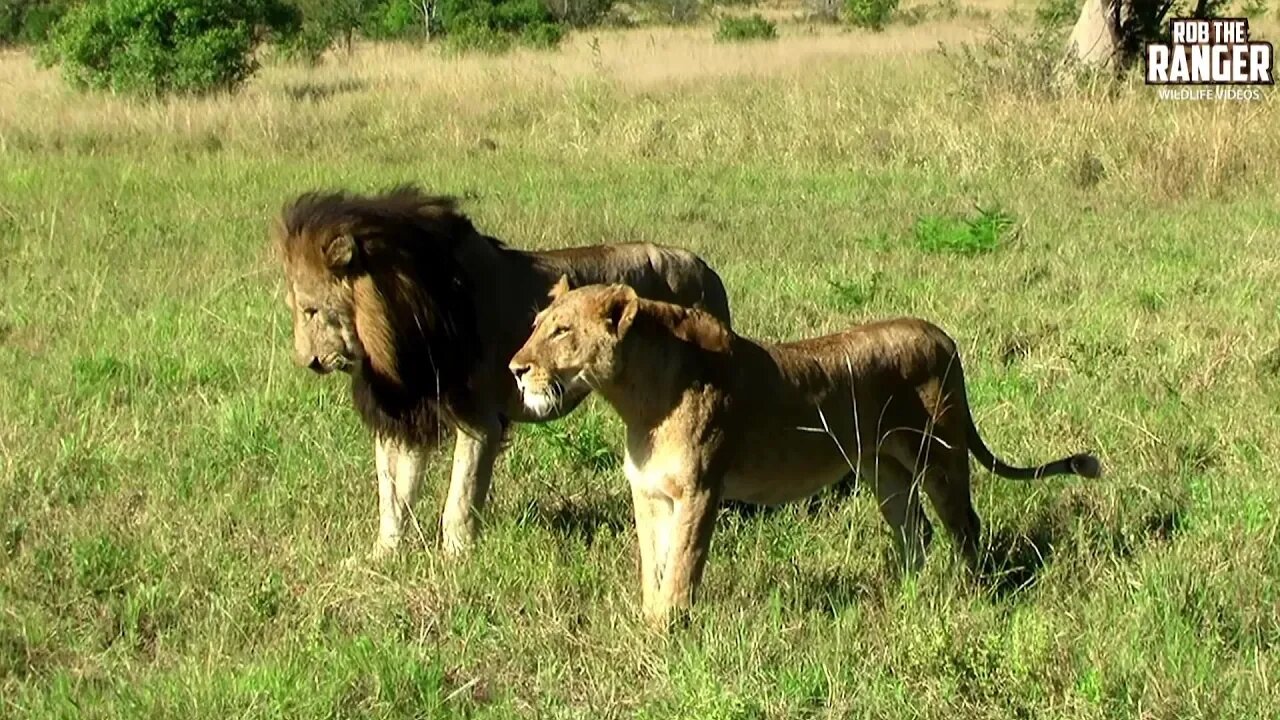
pixel 519 370
pixel 315 364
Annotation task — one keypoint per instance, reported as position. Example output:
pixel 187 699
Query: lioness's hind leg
pixel 898 495
pixel 947 484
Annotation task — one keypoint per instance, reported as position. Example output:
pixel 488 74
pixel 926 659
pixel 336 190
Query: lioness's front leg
pixel 473 456
pixel 651 514
pixel 399 470
pixel 688 532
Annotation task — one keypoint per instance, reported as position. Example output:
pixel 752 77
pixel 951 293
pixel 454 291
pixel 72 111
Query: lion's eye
pixel 309 313
pixel 559 331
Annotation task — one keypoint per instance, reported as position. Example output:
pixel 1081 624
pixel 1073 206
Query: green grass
pixel 965 236
pixel 177 501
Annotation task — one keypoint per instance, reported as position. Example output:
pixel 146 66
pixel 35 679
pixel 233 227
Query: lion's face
pixel 324 319
pixel 574 345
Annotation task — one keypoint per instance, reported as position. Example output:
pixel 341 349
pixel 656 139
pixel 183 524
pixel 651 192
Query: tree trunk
pixel 1095 39
pixel 427 6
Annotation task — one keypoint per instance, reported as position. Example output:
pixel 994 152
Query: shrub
pixel 492 25
pixel 672 11
pixel 580 13
pixel 156 47
pixel 396 20
pixel 1057 13
pixel 28 22
pixel 309 44
pixel 478 38
pixel 822 10
pixel 738 29
pixel 542 35
pixel 327 21
pixel 1010 61
pixel 873 14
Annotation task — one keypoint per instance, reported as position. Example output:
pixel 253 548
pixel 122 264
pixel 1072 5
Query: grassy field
pixel 176 501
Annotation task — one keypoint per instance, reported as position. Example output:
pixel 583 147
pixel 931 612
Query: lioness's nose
pixel 519 369
pixel 315 364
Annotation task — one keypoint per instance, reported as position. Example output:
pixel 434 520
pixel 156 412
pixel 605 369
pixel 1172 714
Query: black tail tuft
pixel 1085 465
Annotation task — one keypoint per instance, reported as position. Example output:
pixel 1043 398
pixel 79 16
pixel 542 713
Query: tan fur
pixel 401 290
pixel 712 415
pixel 373 327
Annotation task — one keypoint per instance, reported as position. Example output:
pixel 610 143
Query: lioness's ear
pixel 340 251
pixel 561 287
pixel 622 310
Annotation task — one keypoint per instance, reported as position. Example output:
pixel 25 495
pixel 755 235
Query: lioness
pixel 711 415
pixel 423 311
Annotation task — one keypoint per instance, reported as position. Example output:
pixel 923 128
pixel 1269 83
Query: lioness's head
pixel 574 344
pixel 320 294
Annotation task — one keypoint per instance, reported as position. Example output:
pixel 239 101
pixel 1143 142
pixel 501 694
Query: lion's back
pixel 656 272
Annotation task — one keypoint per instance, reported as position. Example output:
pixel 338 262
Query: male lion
pixel 401 291
pixel 711 415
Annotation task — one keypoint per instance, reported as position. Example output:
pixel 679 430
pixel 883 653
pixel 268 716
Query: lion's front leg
pixel 473 457
pixel 399 472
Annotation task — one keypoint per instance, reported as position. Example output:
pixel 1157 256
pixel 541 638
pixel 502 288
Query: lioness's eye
pixel 309 313
pixel 559 331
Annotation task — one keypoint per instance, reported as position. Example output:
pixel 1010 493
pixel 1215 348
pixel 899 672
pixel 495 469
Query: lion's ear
pixel 561 287
pixel 622 310
pixel 341 251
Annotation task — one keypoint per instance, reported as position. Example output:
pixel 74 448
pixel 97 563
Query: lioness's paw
pixel 381 551
pixel 457 540
pixel 667 619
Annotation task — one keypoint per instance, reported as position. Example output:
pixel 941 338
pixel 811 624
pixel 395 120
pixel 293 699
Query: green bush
pixel 492 25
pixel 157 47
pixel 873 14
pixel 1056 13
pixel 676 12
pixel 395 20
pixel 308 45
pixel 543 36
pixel 27 22
pixel 325 22
pixel 738 29
pixel 478 38
pixel 580 13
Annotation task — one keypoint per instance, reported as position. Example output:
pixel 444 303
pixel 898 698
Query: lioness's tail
pixel 1083 464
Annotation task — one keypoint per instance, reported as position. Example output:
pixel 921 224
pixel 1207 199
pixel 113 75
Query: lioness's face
pixel 574 345
pixel 324 322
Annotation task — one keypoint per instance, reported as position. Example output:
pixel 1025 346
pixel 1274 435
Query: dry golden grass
pixel 803 99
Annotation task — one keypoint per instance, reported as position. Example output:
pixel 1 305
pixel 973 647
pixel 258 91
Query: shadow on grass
pixel 583 521
pixel 830 592
pixel 1014 560
pixel 317 91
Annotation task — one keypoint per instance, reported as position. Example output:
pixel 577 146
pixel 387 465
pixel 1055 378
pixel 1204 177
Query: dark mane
pixel 416 299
